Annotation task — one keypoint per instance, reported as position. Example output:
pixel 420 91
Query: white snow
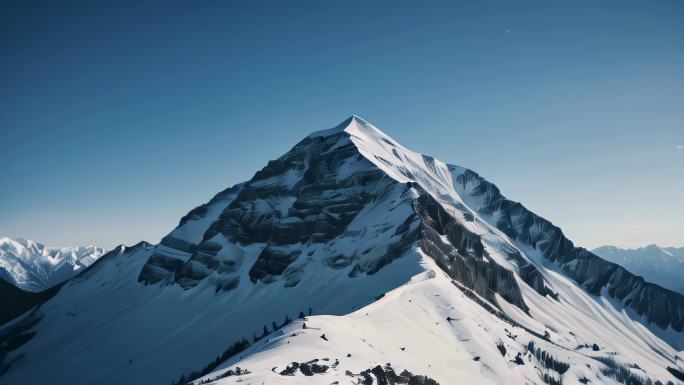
pixel 414 317
pixel 34 267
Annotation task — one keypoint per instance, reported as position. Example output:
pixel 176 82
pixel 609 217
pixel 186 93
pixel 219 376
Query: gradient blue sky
pixel 118 117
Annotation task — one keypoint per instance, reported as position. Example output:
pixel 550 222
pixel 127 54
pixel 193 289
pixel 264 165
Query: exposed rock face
pixel 307 196
pixel 660 306
pixel 380 375
pixel 387 375
pixel 463 257
pixel 159 267
pixel 298 198
pixel 272 261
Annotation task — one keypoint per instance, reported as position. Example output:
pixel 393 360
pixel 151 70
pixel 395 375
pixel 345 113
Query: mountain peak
pixel 35 267
pixel 344 126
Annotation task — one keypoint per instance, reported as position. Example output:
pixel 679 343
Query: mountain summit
pixel 351 259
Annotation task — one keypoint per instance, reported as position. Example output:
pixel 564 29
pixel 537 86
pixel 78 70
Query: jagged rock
pixel 159 267
pixel 386 375
pixel 467 264
pixel 272 261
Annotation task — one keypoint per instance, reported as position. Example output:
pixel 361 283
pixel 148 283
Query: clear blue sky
pixel 118 117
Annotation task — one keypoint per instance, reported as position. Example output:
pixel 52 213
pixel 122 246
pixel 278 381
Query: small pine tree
pixel 310 311
pixel 301 315
pixel 275 327
pixel 265 331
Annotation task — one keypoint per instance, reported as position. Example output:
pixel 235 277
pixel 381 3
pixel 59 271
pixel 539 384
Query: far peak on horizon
pixel 119 118
pixel 661 265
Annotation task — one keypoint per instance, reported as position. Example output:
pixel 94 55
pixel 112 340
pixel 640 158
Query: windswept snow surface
pixel 344 227
pixel 34 267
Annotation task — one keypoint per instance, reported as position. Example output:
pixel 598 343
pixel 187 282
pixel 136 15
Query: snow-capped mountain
pixel 661 265
pixel 34 267
pixel 352 260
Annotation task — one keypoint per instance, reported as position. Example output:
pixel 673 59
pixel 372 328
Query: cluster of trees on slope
pixel 232 350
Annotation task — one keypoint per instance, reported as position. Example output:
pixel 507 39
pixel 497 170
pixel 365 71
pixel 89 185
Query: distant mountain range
pixel 34 267
pixel 349 260
pixel 661 265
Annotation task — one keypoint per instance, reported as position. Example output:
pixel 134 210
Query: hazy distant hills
pixel 661 265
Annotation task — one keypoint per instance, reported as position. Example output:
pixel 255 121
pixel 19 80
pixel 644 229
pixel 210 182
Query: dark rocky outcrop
pixel 385 375
pixel 158 268
pixel 464 257
pixel 380 375
pixel 271 262
pixel 301 198
pixel 530 274
pixel 321 205
pixel 308 368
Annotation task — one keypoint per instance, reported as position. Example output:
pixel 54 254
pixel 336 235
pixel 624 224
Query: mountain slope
pixel 431 327
pixel 15 301
pixel 383 247
pixel 34 267
pixel 661 265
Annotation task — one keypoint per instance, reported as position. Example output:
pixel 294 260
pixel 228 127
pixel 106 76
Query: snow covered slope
pixel 34 267
pixel 394 258
pixel 430 327
pixel 661 265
